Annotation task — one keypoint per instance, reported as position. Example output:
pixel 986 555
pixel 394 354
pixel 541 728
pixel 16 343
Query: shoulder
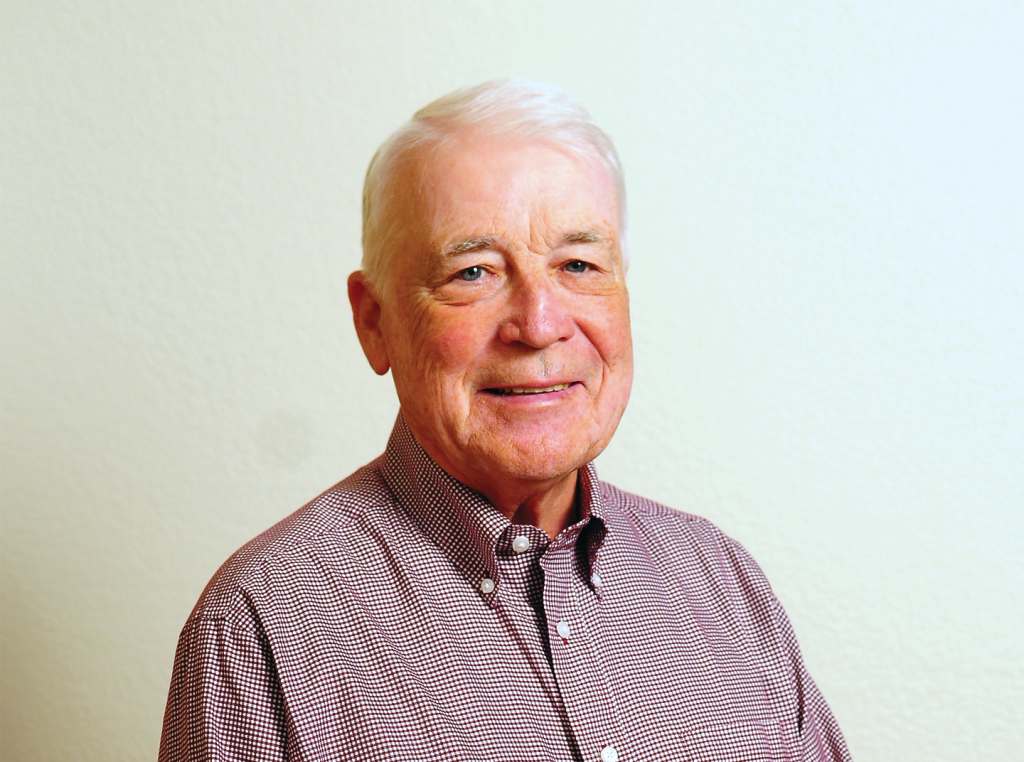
pixel 277 557
pixel 699 568
pixel 658 516
pixel 684 540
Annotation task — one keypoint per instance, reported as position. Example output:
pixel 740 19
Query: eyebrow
pixel 487 242
pixel 584 236
pixel 470 244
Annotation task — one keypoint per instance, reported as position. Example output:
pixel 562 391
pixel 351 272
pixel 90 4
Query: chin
pixel 545 460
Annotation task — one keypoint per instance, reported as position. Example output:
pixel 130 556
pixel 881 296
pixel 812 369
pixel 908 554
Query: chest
pixel 415 660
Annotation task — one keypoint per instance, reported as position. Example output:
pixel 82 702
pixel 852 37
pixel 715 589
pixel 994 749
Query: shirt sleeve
pixel 820 737
pixel 225 701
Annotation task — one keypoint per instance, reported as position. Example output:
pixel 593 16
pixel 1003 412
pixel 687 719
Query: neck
pixel 551 508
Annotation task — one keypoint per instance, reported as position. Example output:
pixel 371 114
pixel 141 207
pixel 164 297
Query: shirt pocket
pixel 748 741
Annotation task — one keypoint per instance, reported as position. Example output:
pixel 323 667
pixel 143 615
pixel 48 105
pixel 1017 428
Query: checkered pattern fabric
pixel 399 616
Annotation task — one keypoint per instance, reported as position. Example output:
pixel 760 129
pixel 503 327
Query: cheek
pixel 456 341
pixel 614 340
pixel 442 348
pixel 614 343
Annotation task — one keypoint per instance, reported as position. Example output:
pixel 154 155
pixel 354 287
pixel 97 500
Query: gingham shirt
pixel 399 616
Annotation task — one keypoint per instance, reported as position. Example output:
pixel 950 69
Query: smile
pixel 528 390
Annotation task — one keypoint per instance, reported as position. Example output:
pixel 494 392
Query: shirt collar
pixel 461 521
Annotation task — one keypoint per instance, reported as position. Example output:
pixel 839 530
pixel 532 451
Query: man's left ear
pixel 366 315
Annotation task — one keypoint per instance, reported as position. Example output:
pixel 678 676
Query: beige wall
pixel 827 282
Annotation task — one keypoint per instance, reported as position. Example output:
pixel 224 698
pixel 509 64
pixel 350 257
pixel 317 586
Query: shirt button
pixel 608 754
pixel 486 585
pixel 595 579
pixel 521 544
pixel 563 632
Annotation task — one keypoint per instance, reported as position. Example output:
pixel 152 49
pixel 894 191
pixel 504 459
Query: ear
pixel 366 315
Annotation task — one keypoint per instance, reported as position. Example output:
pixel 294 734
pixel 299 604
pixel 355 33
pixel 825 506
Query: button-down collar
pixel 471 532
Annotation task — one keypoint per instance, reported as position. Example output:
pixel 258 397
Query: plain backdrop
pixel 828 308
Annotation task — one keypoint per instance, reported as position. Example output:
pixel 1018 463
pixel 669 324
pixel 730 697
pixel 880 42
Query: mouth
pixel 512 391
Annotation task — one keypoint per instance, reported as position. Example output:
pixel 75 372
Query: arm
pixel 225 701
pixel 820 737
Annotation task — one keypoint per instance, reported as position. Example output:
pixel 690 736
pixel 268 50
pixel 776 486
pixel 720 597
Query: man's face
pixel 506 317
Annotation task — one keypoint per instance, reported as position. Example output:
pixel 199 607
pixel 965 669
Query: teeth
pixel 539 390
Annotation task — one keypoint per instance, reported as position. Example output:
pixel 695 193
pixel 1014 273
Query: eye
pixel 471 273
pixel 576 266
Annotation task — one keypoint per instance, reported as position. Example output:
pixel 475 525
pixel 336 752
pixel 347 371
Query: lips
pixel 527 390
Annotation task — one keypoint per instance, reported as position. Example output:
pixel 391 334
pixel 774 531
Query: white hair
pixel 513 110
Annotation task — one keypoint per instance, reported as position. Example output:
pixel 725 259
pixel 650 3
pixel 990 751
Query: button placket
pixel 517 598
pixel 581 677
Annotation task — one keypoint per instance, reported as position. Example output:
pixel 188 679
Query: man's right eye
pixel 471 273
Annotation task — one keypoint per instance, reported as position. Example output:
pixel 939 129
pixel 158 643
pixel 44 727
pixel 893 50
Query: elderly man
pixel 476 592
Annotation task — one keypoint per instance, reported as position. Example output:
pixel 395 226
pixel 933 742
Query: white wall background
pixel 828 297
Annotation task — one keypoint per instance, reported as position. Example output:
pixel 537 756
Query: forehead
pixel 476 185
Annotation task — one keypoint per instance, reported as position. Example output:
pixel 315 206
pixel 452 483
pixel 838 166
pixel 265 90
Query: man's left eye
pixel 577 266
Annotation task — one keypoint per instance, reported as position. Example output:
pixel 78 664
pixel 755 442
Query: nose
pixel 539 314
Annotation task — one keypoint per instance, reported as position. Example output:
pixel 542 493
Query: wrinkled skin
pixel 508 276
